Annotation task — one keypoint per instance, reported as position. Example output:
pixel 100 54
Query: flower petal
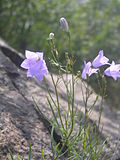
pixel 30 54
pixel 107 72
pixel 39 77
pixel 25 64
pixel 92 71
pixel 40 55
pixel 113 71
pixel 29 73
pixel 101 53
pixel 100 60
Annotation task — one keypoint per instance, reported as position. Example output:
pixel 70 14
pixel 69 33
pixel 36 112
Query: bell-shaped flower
pixel 64 24
pixel 88 70
pixel 35 65
pixel 100 60
pixel 113 71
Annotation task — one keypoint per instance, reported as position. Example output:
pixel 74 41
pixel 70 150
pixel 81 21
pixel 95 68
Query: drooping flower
pixel 35 65
pixel 100 60
pixel 113 71
pixel 88 70
pixel 64 24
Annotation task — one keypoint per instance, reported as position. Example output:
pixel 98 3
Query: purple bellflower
pixel 113 71
pixel 100 60
pixel 88 70
pixel 35 65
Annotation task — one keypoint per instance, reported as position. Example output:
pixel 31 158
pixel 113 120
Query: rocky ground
pixel 21 125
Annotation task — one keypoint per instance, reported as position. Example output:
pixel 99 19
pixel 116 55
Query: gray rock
pixel 19 123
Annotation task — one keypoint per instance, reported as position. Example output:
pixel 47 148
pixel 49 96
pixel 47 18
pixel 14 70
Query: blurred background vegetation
pixel 94 24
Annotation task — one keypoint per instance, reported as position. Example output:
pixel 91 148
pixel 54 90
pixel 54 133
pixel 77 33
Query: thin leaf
pixel 42 153
pixel 53 112
pixel 11 155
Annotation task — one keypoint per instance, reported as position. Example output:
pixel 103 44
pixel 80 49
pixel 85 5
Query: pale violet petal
pixel 113 63
pixel 86 69
pixel 25 64
pixel 107 72
pixel 29 73
pixel 30 54
pixel 104 60
pixel 39 77
pixel 96 62
pixel 40 55
pixel 92 71
pixel 88 65
pixel 34 68
pixel 114 77
pixel 101 53
pixel 84 74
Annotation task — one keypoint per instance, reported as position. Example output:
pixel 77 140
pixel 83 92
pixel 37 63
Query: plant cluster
pixel 75 143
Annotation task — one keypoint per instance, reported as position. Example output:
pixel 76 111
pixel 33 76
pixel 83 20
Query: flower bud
pixel 64 24
pixel 51 35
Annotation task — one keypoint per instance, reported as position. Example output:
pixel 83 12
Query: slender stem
pixel 72 70
pixel 68 98
pixel 85 100
pixel 55 117
pixel 103 93
pixel 58 104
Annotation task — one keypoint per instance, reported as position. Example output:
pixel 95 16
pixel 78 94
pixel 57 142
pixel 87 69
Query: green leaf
pixel 11 155
pixel 43 157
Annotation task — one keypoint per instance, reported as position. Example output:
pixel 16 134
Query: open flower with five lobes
pixel 35 65
pixel 113 71
pixel 88 70
pixel 100 60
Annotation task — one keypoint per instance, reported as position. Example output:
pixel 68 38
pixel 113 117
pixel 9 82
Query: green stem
pixel 58 104
pixel 102 87
pixel 68 98
pixel 72 69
